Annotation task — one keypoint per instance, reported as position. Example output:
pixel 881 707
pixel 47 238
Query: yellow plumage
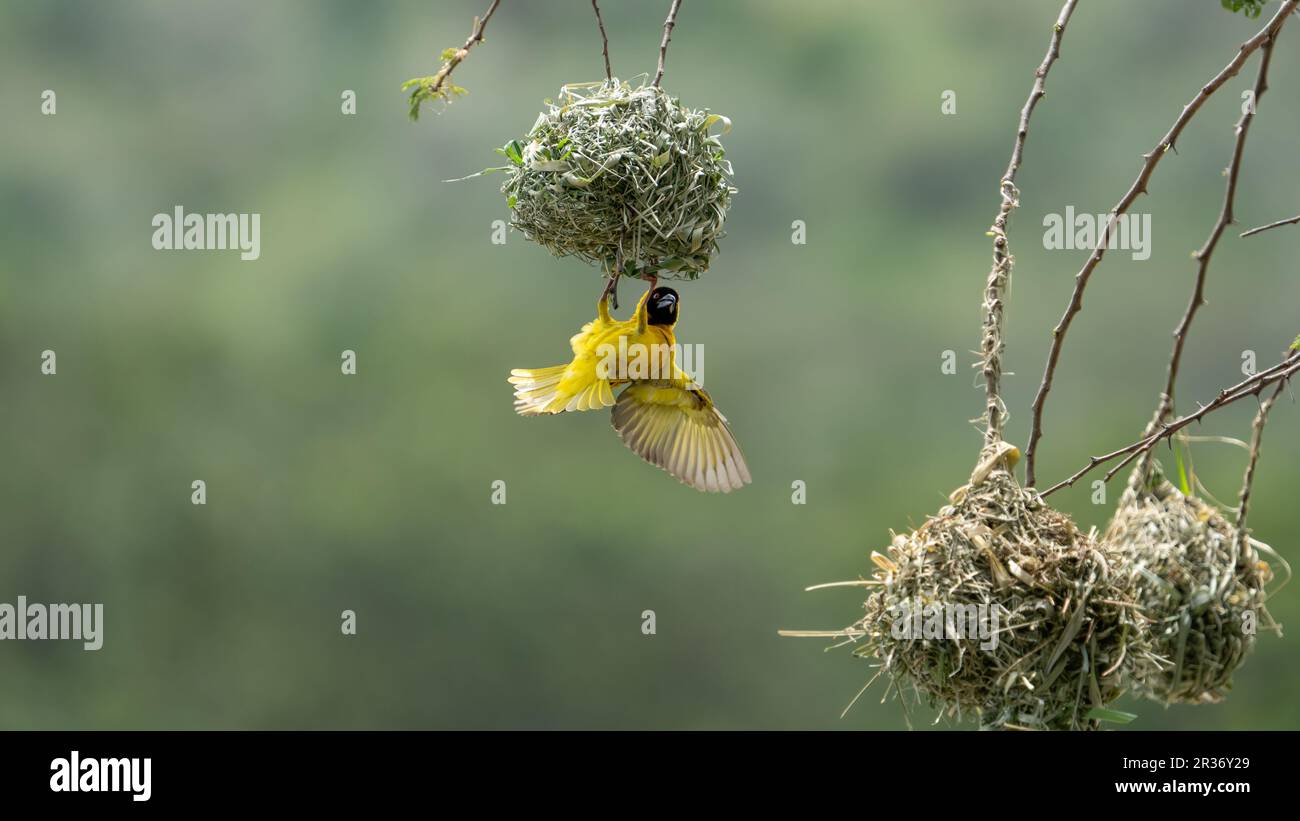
pixel 579 386
pixel 667 420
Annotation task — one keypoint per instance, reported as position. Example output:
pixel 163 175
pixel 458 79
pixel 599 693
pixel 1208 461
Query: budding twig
pixel 1139 187
pixel 1226 217
pixel 604 39
pixel 1291 221
pixel 431 88
pixel 668 35
pixel 991 338
pixel 1279 373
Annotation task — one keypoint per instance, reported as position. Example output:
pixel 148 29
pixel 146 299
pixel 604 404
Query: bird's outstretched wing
pixel 679 429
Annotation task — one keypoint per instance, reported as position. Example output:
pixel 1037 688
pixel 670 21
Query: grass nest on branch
pixel 1062 606
pixel 1202 587
pixel 623 177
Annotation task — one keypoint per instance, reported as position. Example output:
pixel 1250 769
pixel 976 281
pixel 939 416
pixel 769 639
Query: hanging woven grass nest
pixel 1061 606
pixel 1201 587
pixel 616 174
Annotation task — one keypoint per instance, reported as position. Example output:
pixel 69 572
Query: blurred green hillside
pixel 371 492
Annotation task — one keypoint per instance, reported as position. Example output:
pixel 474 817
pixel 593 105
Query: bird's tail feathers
pixel 538 391
pixel 535 388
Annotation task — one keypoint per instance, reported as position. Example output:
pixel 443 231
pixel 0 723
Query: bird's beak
pixel 666 301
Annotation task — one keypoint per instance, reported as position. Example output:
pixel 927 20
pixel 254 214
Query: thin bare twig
pixel 1248 478
pixel 1291 221
pixel 1226 217
pixel 991 343
pixel 604 39
pixel 1150 160
pixel 668 35
pixel 1248 387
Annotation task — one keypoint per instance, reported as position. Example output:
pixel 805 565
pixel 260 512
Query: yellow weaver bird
pixel 667 420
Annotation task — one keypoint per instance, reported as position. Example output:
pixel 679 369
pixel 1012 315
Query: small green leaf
pixel 1105 714
pixel 513 151
pixel 1251 8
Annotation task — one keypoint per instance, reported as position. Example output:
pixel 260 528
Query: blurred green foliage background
pixel 371 492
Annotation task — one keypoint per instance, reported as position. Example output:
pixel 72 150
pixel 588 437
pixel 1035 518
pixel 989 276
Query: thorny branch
pixel 1206 251
pixel 1252 386
pixel 1139 187
pixel 604 39
pixel 668 35
pixel 991 343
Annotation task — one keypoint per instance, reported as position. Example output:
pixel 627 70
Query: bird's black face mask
pixel 661 307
